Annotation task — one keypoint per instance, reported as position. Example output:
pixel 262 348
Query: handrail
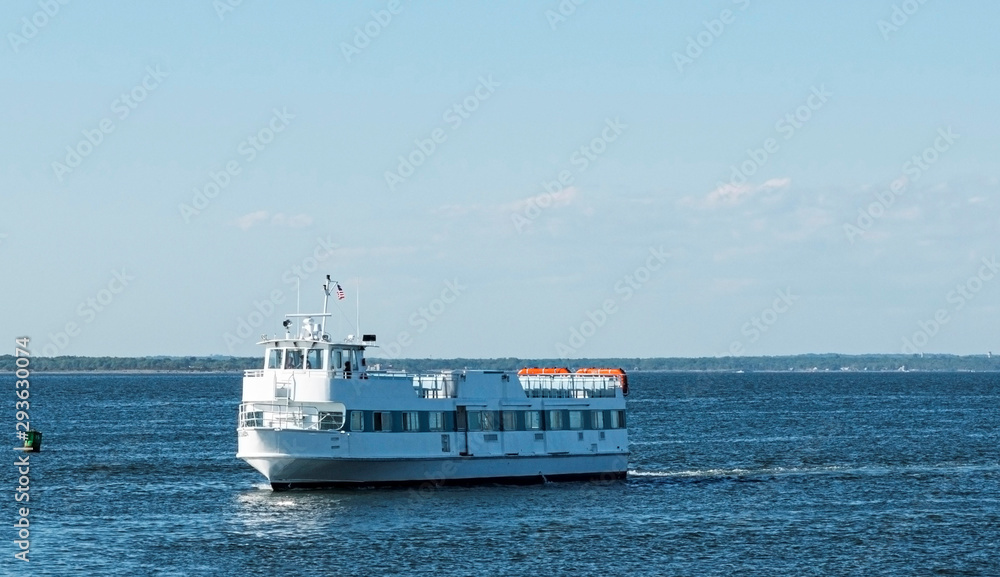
pixel 573 385
pixel 278 416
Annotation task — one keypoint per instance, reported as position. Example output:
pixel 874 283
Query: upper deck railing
pixel 570 386
pixel 444 385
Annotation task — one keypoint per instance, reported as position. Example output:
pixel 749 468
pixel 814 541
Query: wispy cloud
pixel 248 221
pixel 727 195
pixel 539 202
pixel 564 197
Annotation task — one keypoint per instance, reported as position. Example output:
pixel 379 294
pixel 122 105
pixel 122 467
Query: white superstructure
pixel 316 415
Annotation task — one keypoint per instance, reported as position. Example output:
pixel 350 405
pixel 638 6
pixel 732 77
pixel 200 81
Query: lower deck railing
pixel 280 416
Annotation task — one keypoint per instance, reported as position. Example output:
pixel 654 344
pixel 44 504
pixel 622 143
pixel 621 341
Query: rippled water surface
pixel 754 474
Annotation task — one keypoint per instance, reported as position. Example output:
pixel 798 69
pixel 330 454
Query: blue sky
pixel 737 177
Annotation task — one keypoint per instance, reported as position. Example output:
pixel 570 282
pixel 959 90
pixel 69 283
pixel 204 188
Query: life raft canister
pixel 544 371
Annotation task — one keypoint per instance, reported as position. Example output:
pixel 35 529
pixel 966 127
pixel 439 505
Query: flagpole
pixel 357 304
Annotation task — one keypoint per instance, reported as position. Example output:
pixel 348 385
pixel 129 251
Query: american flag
pixel 340 293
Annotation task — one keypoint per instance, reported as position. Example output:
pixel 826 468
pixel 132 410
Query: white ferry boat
pixel 316 415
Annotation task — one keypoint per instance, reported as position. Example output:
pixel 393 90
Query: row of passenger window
pixel 428 421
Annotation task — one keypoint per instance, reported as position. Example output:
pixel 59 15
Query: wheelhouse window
pixel 475 421
pixel 357 421
pixel 509 421
pixel 597 419
pixel 273 359
pixel 435 420
pixel 556 420
pixel 293 358
pixel 411 421
pixel 615 421
pixel 532 420
pixel 576 419
pixel 314 359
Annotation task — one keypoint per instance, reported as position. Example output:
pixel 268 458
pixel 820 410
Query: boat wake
pixel 868 470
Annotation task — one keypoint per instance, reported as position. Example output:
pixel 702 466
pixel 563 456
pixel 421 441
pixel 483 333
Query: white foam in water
pixel 739 472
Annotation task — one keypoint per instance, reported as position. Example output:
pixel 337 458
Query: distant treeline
pixel 821 362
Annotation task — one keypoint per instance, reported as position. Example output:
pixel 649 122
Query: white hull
pixel 290 459
pixel 292 472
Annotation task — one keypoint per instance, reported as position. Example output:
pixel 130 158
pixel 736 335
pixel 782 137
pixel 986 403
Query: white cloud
pixel 732 194
pixel 564 197
pixel 248 221
pixel 544 201
pixel 291 221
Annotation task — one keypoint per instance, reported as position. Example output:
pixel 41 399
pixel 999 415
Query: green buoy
pixel 33 440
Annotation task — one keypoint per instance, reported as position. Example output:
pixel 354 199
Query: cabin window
pixel 532 420
pixel 615 423
pixel 576 419
pixel 314 359
pixel 475 422
pixel 509 421
pixel 555 420
pixel 382 421
pixel 411 421
pixel 293 359
pixel 330 421
pixel 621 418
pixel 357 421
pixel 273 359
pixel 338 359
pixel 435 420
pixel 597 419
pixel 489 420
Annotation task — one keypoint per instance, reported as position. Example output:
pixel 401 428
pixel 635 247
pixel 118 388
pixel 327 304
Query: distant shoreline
pixel 815 363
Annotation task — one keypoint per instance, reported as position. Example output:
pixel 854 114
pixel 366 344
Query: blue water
pixel 752 474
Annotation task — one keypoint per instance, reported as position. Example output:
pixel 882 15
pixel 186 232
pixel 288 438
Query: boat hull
pixel 298 463
pixel 297 472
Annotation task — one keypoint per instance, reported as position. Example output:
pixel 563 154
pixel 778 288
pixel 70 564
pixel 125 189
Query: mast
pixel 326 291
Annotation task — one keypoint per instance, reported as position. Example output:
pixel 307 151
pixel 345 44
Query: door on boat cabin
pixel 462 429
